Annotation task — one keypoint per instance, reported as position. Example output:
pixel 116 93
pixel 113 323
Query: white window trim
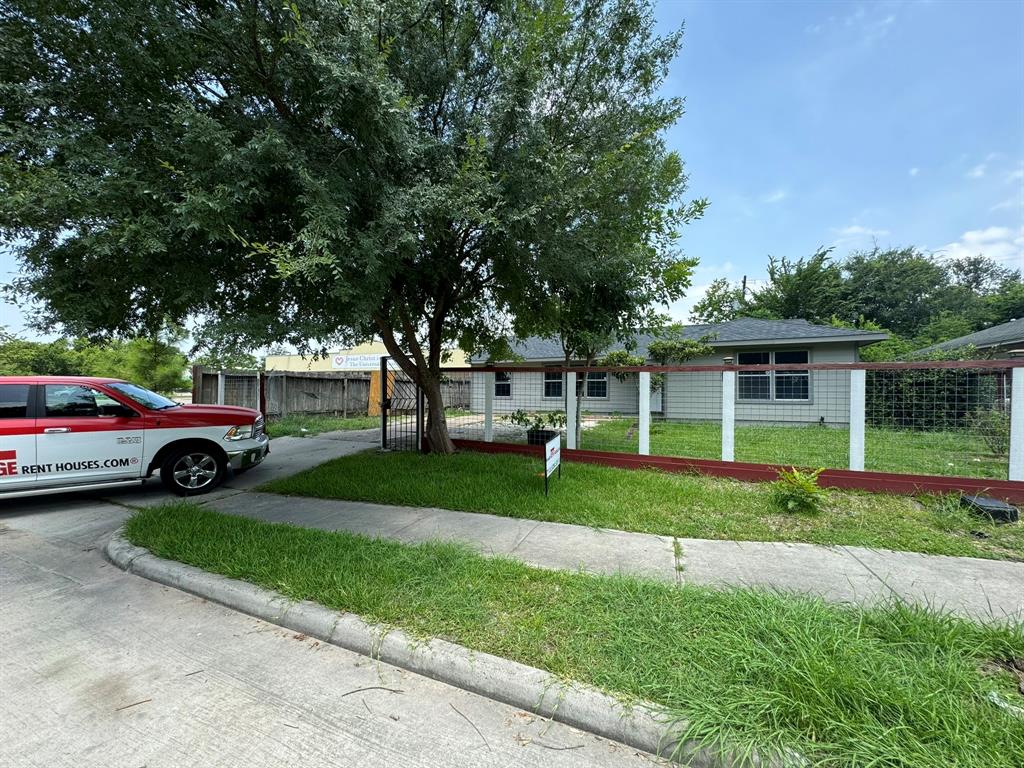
pixel 607 386
pixel 772 398
pixel 509 382
pixel 544 386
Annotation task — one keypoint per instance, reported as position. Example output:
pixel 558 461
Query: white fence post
pixel 488 407
pixel 1017 424
pixel 570 410
pixel 728 415
pixel 221 387
pixel 858 389
pixel 645 413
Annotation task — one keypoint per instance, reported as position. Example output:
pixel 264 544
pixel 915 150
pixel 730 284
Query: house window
pixel 597 384
pixel 779 385
pixel 552 384
pixel 754 385
pixel 792 385
pixel 503 384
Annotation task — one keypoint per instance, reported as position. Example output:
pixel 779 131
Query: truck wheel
pixel 192 471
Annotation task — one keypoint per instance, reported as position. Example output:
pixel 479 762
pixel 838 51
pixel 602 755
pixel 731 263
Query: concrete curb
pixel 639 726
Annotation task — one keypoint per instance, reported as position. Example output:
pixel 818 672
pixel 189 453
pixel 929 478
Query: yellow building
pixel 365 357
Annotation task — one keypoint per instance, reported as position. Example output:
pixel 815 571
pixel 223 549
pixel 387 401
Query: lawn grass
pixel 885 686
pixel 299 424
pixel 669 504
pixel 309 424
pixel 885 450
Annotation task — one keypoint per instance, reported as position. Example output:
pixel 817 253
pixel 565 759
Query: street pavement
pixel 103 668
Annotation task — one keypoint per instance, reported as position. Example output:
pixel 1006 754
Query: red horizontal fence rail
pixel 911 433
pixel 887 482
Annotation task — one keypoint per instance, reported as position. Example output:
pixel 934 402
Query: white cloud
pixel 979 170
pixel 914 171
pixel 1008 204
pixel 1004 244
pixel 856 230
pixel 776 196
pixel 1015 175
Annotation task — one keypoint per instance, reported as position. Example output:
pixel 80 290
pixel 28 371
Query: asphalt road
pixel 102 668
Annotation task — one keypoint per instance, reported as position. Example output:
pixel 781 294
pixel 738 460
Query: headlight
pixel 241 432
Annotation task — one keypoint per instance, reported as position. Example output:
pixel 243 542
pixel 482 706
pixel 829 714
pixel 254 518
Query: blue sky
pixel 834 123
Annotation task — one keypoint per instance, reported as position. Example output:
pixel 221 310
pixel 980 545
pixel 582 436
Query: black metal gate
pixel 401 410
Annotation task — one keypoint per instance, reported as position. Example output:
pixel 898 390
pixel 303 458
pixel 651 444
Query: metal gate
pixel 401 410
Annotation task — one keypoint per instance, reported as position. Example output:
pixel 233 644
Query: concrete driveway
pixel 102 668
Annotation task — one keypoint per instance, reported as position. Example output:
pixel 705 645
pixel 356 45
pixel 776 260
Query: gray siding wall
pixel 697 396
pixel 528 395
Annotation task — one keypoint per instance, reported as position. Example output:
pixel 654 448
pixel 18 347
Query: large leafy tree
pixel 809 289
pixel 897 288
pixel 310 172
pixel 721 302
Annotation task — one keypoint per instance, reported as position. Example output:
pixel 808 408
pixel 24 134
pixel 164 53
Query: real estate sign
pixel 552 459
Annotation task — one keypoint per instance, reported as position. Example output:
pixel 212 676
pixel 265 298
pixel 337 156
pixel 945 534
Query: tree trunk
pixel 436 431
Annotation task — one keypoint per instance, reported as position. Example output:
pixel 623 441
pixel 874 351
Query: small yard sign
pixel 552 459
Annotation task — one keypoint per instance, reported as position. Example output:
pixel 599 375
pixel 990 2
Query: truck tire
pixel 191 471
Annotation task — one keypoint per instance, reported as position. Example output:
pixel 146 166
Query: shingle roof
pixel 740 332
pixel 1005 334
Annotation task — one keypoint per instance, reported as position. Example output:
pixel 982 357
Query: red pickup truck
pixel 64 433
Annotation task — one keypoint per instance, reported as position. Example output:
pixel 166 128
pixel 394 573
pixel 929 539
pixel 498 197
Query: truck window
pixel 70 400
pixel 75 400
pixel 13 401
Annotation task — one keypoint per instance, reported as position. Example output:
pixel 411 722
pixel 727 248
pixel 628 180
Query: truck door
pixel 17 438
pixel 83 435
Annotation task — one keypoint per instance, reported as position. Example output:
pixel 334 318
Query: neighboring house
pixel 798 396
pixel 997 341
pixel 365 357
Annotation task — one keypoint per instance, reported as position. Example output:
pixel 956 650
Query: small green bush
pixel 993 424
pixel 798 491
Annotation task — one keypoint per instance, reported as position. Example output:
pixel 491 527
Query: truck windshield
pixel 144 397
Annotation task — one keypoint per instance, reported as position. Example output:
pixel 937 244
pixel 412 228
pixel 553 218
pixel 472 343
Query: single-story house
pixel 772 397
pixel 997 341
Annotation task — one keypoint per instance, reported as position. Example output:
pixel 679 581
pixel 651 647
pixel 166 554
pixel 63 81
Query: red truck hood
pixel 187 415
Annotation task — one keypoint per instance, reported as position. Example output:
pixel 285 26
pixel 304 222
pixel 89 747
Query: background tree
pixel 721 302
pixel 810 289
pixel 155 363
pixel 314 173
pixel 19 357
pixel 896 288
pixel 222 359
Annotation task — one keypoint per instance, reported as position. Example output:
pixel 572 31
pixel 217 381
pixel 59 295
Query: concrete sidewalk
pixel 981 589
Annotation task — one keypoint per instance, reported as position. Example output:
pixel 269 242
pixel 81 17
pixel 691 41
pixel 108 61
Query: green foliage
pixel 669 347
pixel 430 172
pixel 917 298
pixel 155 363
pixel 536 421
pixel 809 289
pixel 720 303
pixel 621 358
pixel 798 491
pixel 993 424
pixel 895 288
pixel 19 357
pixel 229 360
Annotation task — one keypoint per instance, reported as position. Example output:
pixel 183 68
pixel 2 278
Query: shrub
pixel 798 491
pixel 993 424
